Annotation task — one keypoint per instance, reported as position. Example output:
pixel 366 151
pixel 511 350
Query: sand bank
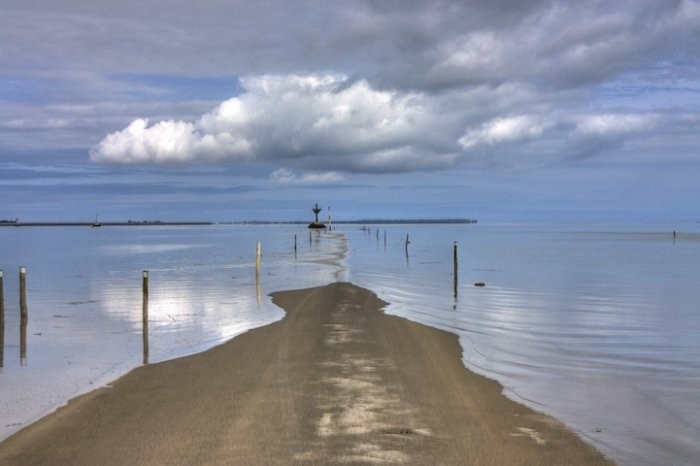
pixel 335 382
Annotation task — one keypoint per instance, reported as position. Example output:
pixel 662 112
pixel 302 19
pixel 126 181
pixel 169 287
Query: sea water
pixel 85 299
pixel 597 326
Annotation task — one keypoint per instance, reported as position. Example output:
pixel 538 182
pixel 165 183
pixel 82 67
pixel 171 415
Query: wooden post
pixel 257 272
pixel 2 322
pixel 295 246
pixel 23 315
pixel 455 268
pixel 145 316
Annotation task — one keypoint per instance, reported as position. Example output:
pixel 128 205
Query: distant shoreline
pixel 7 223
pixel 101 224
pixel 360 222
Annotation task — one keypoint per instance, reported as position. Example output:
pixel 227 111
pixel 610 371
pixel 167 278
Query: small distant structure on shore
pixel 316 224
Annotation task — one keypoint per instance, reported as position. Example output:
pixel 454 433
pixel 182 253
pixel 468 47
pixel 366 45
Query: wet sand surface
pixel 335 382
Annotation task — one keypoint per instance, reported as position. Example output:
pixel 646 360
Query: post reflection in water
pixel 24 315
pixel 257 287
pixel 145 316
pixel 456 281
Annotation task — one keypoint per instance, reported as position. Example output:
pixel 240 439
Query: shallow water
pixel 598 327
pixel 84 293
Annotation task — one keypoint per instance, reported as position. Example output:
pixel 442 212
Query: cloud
pixel 613 124
pixel 334 124
pixel 167 142
pixel 374 87
pixel 556 137
pixel 284 176
pixel 171 38
pixel 593 134
pixel 553 43
pixel 416 45
pixel 504 130
pixel 325 122
pixel 323 92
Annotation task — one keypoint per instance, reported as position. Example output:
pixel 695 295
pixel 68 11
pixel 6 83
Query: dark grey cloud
pixel 553 43
pixel 415 44
pixel 163 37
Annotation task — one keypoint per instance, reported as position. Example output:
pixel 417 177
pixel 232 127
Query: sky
pixel 217 110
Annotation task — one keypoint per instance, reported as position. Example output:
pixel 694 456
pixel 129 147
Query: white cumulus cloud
pixel 322 122
pixel 323 125
pixel 166 142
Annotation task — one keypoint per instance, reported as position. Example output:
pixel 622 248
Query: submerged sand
pixel 335 382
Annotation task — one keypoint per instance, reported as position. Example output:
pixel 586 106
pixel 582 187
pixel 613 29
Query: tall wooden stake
pixel 2 322
pixel 145 316
pixel 23 315
pixel 455 268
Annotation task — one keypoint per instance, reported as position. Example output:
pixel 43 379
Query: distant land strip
pixel 132 223
pixel 100 224
pixel 411 221
pixel 358 222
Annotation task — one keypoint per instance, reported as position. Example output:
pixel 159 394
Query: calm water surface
pixel 84 292
pixel 599 327
pixel 596 326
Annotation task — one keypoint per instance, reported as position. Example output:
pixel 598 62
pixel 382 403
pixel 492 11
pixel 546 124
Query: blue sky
pixel 500 110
